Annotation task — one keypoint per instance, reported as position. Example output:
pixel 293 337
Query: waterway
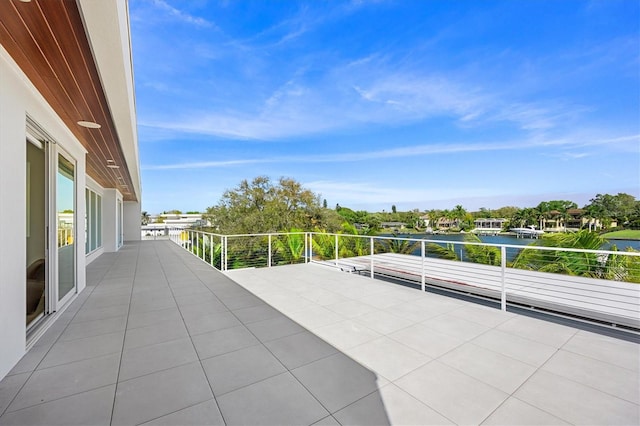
pixel 458 238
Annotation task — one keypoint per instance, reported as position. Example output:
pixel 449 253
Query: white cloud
pixel 359 93
pixel 417 150
pixel 182 16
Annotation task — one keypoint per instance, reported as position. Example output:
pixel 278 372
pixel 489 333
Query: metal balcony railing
pixel 601 285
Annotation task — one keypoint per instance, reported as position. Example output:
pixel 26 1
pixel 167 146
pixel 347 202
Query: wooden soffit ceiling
pixel 47 39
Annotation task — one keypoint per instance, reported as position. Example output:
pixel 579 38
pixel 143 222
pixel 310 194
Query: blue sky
pixel 418 104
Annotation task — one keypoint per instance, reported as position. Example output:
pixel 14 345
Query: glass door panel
pixel 36 232
pixel 65 212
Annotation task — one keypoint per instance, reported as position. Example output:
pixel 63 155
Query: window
pixel 93 221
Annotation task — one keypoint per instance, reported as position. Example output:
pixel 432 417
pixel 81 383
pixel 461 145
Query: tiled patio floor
pixel 443 360
pixel 159 337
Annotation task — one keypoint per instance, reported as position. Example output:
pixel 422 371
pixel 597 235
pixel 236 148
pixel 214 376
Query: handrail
pixel 608 288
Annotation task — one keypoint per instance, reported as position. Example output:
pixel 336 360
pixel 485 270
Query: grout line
pixel 124 336
pixel 52 344
pixel 213 396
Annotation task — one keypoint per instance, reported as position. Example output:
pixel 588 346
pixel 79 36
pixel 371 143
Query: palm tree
pixel 486 255
pixel 561 261
pixel 291 245
pixel 447 252
pixel 145 218
pixel 397 245
pixel 353 245
pixel 621 267
pixel 324 245
pixel 205 248
pixel 459 212
pixel 433 216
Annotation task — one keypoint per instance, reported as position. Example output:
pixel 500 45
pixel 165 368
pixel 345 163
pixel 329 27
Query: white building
pixel 489 225
pixel 172 224
pixel 69 190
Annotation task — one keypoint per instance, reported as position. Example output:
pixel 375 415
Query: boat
pixel 528 232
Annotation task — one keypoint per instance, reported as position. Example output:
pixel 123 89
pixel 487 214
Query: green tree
pixel 351 243
pixel 324 245
pixel 290 247
pixel 144 218
pixel 620 207
pixel 505 212
pixel 393 209
pixel 433 216
pixel 447 252
pixel 486 255
pixel 459 213
pixel 483 213
pixel 263 206
pixel 396 245
pixel 525 217
pixel 562 261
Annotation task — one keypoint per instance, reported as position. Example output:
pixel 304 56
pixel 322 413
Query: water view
pixel 458 240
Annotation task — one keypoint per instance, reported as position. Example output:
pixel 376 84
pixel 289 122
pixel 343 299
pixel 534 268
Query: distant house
pixel 489 225
pixel 572 220
pixel 578 220
pixel 170 223
pixel 446 223
pixel 183 220
pixel 393 225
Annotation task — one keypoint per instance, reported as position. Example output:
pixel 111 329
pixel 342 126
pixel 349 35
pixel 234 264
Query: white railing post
pixel 310 247
pixel 306 260
pixel 269 258
pixel 226 255
pixel 372 251
pixel 336 247
pixel 221 253
pixel 211 249
pixel 422 274
pixel 503 264
pixel 197 244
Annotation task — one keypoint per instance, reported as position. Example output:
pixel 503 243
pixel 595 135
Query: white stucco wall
pixel 110 199
pixel 12 217
pixel 132 221
pixel 18 98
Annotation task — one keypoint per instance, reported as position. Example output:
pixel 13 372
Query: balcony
pixel 160 337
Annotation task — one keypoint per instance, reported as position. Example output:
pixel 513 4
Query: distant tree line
pixel 262 205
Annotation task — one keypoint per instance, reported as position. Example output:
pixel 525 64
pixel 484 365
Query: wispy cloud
pixel 362 92
pixel 355 194
pixel 182 16
pixel 409 151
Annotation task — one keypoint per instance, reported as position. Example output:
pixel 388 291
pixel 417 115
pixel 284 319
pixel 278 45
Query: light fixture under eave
pixel 113 166
pixel 89 124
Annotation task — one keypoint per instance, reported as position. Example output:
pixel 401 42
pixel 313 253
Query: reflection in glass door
pixel 65 212
pixel 36 232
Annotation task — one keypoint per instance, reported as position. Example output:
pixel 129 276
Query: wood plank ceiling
pixel 47 39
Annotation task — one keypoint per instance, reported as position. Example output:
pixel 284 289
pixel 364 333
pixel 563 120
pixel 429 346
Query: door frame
pixel 53 227
pixel 40 142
